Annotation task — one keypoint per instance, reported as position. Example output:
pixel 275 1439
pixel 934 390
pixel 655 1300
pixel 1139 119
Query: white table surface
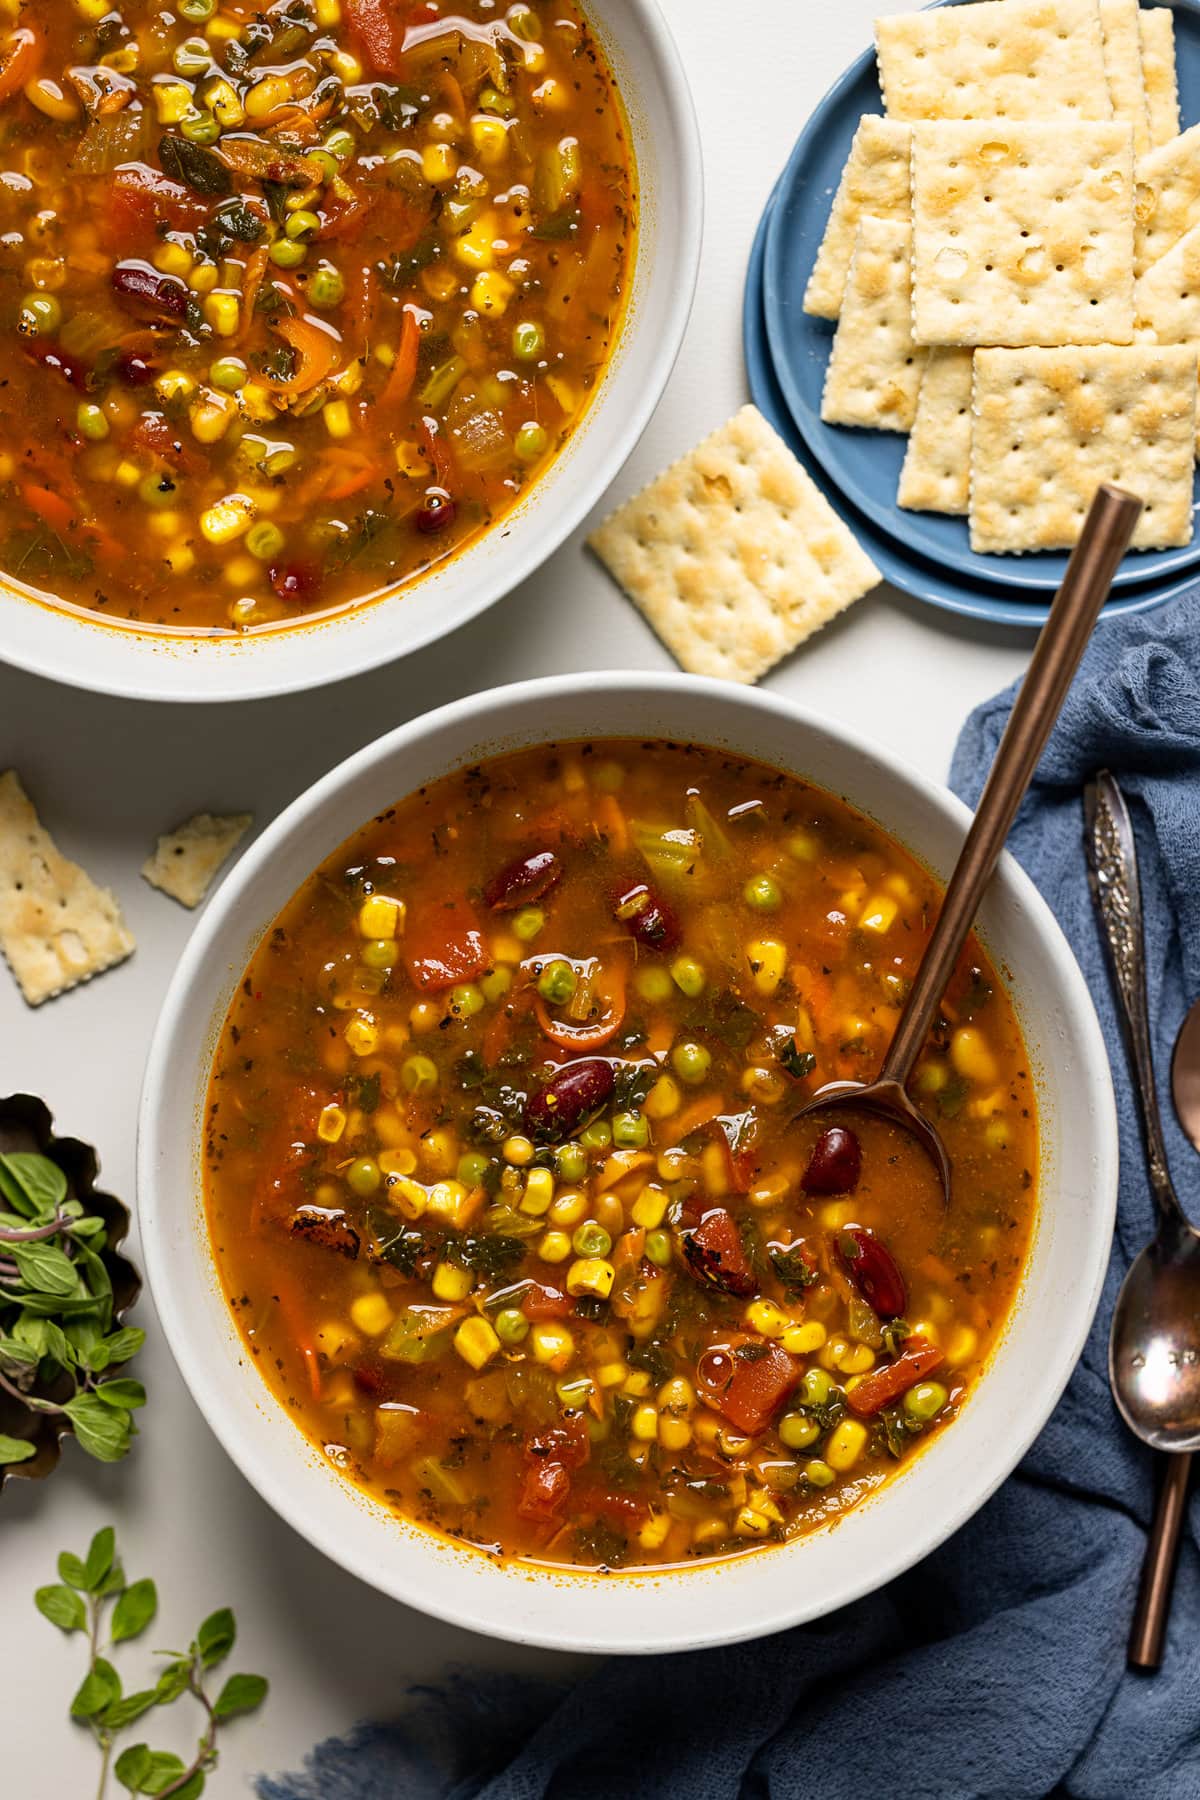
pixel 109 775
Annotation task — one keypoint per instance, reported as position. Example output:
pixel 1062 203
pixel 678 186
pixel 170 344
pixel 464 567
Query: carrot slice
pixel 23 53
pixel 316 352
pixel 404 369
pixel 878 1389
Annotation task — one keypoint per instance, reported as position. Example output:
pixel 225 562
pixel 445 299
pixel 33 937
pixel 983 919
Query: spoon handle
pixel 1149 1630
pixel 1094 561
pixel 1113 877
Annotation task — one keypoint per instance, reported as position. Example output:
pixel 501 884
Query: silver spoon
pixel 1154 1345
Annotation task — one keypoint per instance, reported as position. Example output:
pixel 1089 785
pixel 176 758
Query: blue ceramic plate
pixel 937 587
pixel 865 465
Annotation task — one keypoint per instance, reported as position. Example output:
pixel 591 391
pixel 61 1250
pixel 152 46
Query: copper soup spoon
pixel 1064 637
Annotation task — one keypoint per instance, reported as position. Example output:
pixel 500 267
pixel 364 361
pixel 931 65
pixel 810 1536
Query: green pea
pixel 819 1473
pixel 527 923
pixel 691 1062
pixel 472 1168
pixel 511 1325
pixel 192 57
pixel 279 460
pixel 797 1431
pixel 302 224
pixel 658 1248
pixel 591 1240
pixel 762 893
pixel 326 286
pixel 531 442
pixel 326 163
pixel 630 1131
pixel 90 420
pixel 528 340
pixel 199 128
pixel 228 373
pixel 379 953
pixel 597 1135
pixel 688 976
pixel 418 1074
pixel 363 1176
pixel 495 984
pixel 196 11
pixel 41 314
pixel 557 982
pixel 465 1000
pixel 925 1401
pixel 575 1392
pixel 653 984
pixel 570 1162
pixel 492 101
pixel 285 254
pixel 158 490
pixel 817 1387
pixel 341 143
pixel 523 22
pixel 264 540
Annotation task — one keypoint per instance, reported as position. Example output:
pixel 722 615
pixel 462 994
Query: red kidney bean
pixel 164 295
pixel 133 369
pixel 835 1164
pixel 715 1254
pixel 294 581
pixel 873 1269
pixel 438 514
pixel 714 1371
pixel 526 879
pixel 647 917
pixel 569 1099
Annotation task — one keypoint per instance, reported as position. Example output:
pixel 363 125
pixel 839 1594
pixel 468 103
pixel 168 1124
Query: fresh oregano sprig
pixel 56 1312
pixel 93 1597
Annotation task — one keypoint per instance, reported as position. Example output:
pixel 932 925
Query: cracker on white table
pixel 1022 232
pixel 1156 26
pixel 874 371
pixel 936 476
pixel 733 554
pixel 1051 425
pixel 1015 59
pixel 875 180
pixel 1166 197
pixel 186 860
pixel 57 927
pixel 1123 67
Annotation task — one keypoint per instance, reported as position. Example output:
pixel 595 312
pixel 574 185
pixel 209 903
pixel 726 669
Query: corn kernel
pixel 856 1360
pixel 476 1342
pixel 674 1434
pixel 413 466
pixel 768 963
pixel 552 1345
pixel 832 1351
pixel 331 1123
pixel 211 414
pixel 346 67
pixel 127 474
pixel 223 313
pixel 410 1197
pixel 172 101
pixel 227 520
pixel 256 402
pixel 489 136
pixel 751 1523
pixel 475 248
pixel 518 1151
pixel 266 95
pixel 173 259
pixel 329 12
pixel 763 1501
pixel 438 164
pixel 336 415
pixel 362 1036
pixel 491 293
pixel 962 1345
pixel 644 1424
pixel 379 917
pixel 222 101
pixel 766 1318
pixel 447 1200
pixel 879 914
pixel 240 571
pixel 802 1340
pixel 845 1444
pixel 439 1152
pixel 335 1338
pixel 371 1314
pixel 555 1247
pixel 649 1209
pixel 93 10
pixel 637 1383
pixel 569 1209
pixel 398 1161
pixel 591 1275
pixel 971 1056
pixel 663 1098
pixel 925 1328
pixel 539 1191
pixel 611 1374
pixel 203 278
pixel 451 1283
pixel 653 1534
pixel 836 1213
pixel 180 559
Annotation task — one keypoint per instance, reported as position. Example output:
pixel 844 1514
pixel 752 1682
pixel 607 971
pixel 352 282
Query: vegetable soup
pixel 297 298
pixel 506 1185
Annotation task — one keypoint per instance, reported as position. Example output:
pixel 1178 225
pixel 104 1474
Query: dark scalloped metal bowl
pixel 26 1124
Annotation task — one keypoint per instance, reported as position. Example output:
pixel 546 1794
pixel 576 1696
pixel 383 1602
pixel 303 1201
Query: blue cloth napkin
pixel 996 1668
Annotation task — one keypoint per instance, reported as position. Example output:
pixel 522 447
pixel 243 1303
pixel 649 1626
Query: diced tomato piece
pixel 156 434
pixel 445 945
pixel 140 199
pixel 878 1389
pixel 60 514
pixel 715 1254
pixel 758 1387
pixel 377 27
pixel 544 1492
pixel 540 1302
pixel 623 1509
pixel 567 1442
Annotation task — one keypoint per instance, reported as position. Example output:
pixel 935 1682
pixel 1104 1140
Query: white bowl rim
pixel 213 686
pixel 207 1390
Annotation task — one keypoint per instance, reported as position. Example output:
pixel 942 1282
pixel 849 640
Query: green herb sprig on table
pixel 93 1597
pixel 56 1313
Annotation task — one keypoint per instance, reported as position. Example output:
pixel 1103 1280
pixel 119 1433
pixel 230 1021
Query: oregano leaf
pixel 98 1689
pixel 103 1431
pixel 62 1606
pixel 124 1711
pixel 134 1610
pixel 240 1694
pixel 132 1767
pixel 216 1637
pixel 72 1570
pixel 100 1556
pixel 30 1182
pixel 14 1449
